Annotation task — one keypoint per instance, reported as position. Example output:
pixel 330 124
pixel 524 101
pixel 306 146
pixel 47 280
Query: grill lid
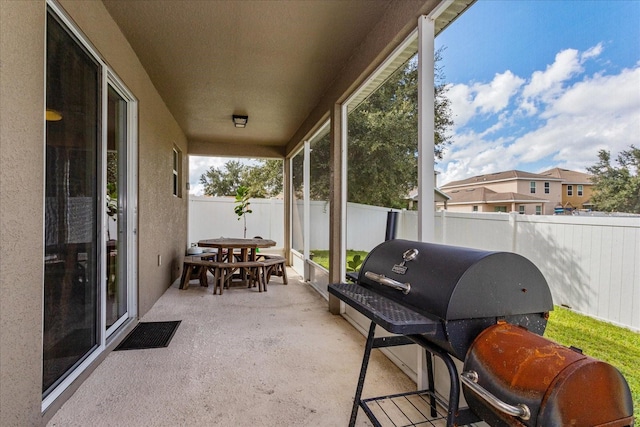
pixel 453 283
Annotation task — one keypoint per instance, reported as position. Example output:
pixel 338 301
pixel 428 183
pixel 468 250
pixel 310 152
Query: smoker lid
pixel 559 385
pixel 455 283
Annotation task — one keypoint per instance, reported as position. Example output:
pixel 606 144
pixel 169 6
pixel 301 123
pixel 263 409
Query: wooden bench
pixel 224 272
pixel 257 273
pixel 273 265
pixel 195 267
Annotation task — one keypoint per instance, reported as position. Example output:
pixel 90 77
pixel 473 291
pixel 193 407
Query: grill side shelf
pixel 390 315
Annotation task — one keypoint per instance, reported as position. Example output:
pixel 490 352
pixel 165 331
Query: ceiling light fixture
pixel 240 121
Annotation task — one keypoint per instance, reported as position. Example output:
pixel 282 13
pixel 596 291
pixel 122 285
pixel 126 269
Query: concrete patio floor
pixel 240 359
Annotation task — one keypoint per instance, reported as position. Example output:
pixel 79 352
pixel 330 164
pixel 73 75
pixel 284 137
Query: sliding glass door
pixel 72 220
pixel 116 244
pixel 90 206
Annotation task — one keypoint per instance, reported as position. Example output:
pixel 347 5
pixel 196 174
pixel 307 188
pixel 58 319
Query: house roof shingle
pixel 499 176
pixel 568 176
pixel 485 195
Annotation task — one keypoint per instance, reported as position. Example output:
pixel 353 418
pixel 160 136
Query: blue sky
pixel 541 84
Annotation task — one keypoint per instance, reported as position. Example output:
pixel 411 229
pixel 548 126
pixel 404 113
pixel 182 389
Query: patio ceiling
pixel 271 60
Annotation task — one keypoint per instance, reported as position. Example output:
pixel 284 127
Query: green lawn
pixel 617 346
pixel 322 256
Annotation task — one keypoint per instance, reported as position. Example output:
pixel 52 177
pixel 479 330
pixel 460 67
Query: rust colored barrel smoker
pixel 513 377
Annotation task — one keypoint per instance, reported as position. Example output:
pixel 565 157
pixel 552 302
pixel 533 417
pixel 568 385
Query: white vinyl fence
pixel 592 264
pixel 213 217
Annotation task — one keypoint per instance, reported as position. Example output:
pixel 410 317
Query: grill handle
pixel 470 379
pixel 384 280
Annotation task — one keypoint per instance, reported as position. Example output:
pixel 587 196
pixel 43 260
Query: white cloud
pixel 592 52
pixel 614 94
pixel 548 82
pixel 483 98
pixel 528 107
pixel 199 165
pixel 602 112
pixel 461 104
pixel 496 127
pixel 579 115
pixel 495 96
pixel 474 156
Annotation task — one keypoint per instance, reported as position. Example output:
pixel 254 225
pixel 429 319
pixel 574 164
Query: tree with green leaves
pixel 223 182
pixel 383 141
pixel 265 179
pixel 242 206
pixel 262 181
pixel 617 188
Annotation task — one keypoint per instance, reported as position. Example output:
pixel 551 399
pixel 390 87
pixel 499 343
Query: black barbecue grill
pixel 441 298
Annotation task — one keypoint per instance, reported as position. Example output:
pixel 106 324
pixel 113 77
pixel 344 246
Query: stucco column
pixel 336 205
pixel 22 53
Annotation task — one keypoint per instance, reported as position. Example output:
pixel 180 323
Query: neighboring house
pixel 509 191
pixel 553 191
pixel 482 199
pixel 438 196
pixel 576 188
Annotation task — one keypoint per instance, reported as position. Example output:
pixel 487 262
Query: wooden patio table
pixel 228 245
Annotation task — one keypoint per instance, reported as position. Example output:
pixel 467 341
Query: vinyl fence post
pixel 513 222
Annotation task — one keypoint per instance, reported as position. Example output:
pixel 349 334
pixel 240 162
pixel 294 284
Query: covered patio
pixel 276 358
pixel 143 85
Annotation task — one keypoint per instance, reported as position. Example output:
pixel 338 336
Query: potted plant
pixel 242 206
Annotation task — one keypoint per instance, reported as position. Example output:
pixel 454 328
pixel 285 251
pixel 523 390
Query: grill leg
pixel 363 372
pixel 432 386
pixel 453 416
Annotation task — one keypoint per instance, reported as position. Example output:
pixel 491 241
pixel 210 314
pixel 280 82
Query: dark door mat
pixel 149 335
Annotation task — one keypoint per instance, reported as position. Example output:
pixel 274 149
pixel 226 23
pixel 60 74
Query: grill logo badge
pixel 408 255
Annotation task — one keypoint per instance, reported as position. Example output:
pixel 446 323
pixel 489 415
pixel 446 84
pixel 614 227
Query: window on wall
pixel 521 209
pixel 532 187
pixel 580 190
pixel 538 210
pixel 569 190
pixel 547 188
pixel 475 208
pixel 500 209
pixel 177 172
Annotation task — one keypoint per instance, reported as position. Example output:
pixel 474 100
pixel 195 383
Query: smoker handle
pixel 470 379
pixel 384 280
